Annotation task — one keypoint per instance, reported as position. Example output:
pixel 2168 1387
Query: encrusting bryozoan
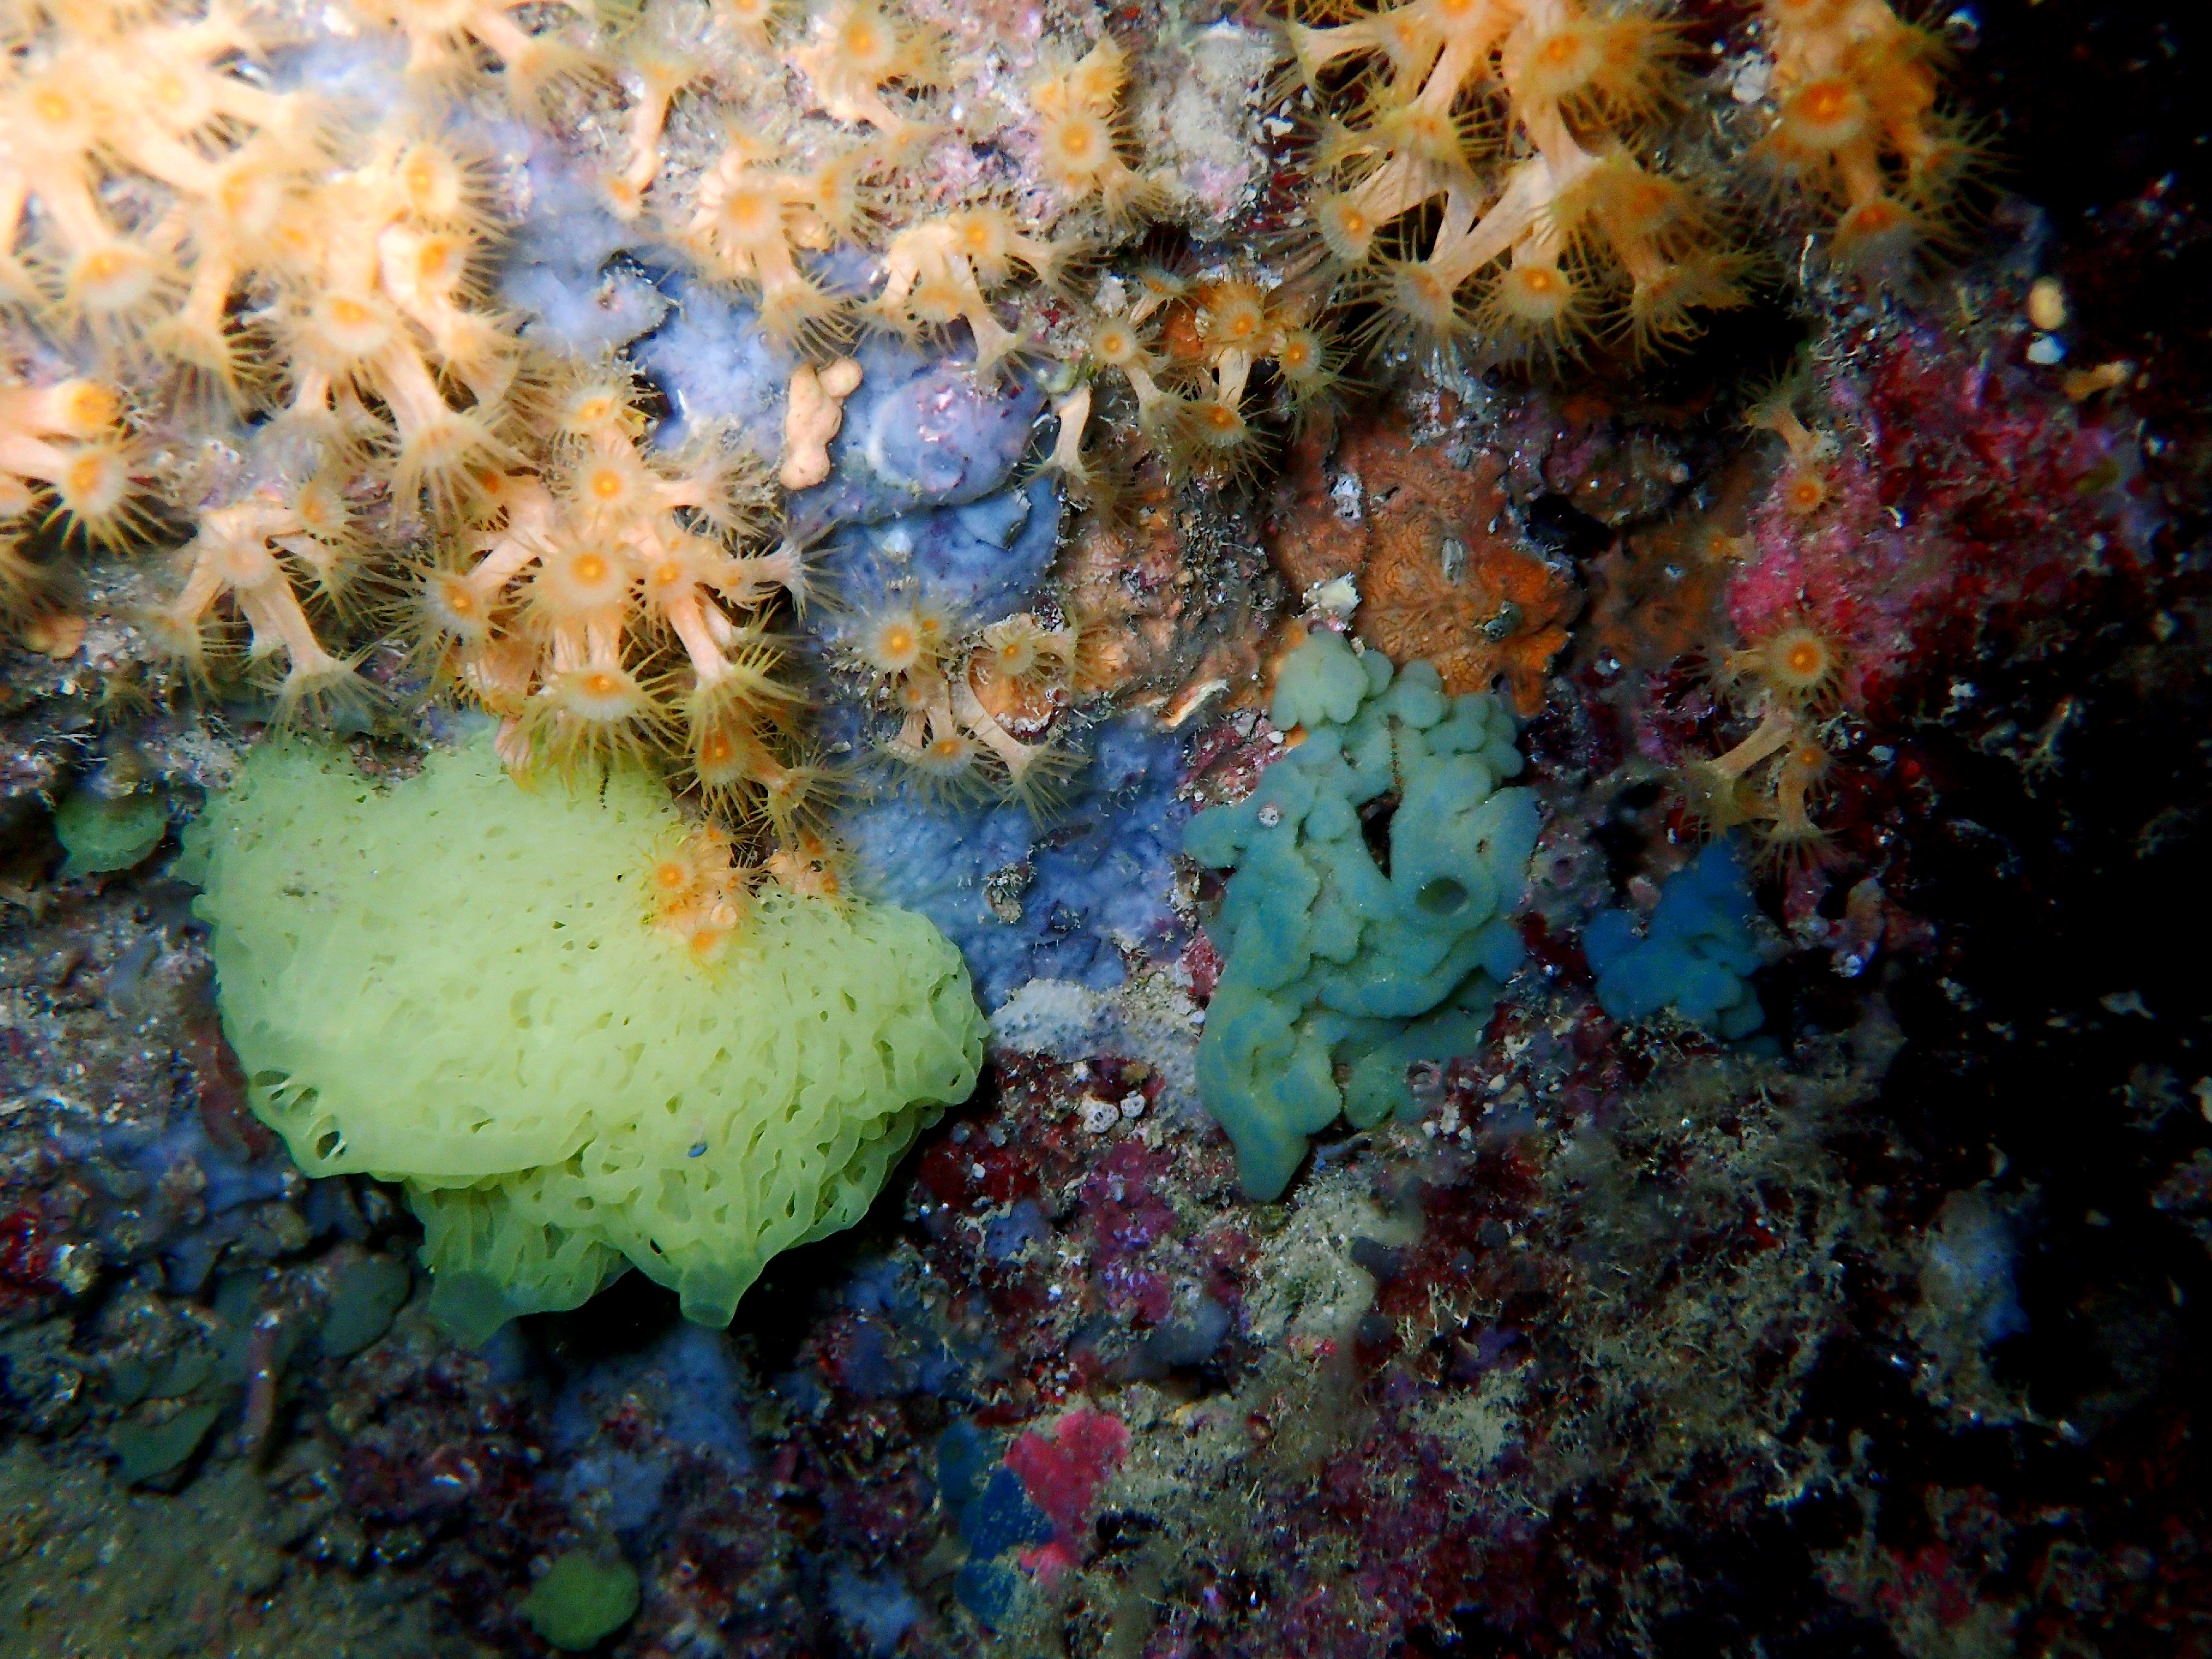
pixel 535 1008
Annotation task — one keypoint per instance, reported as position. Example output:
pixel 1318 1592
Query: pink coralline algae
pixel 1963 492
pixel 1061 1476
pixel 1122 1198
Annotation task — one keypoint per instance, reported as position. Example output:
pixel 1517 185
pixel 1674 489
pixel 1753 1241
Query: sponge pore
pixel 1337 962
pixel 451 983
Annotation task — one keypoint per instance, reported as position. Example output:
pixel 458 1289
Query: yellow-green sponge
pixel 452 982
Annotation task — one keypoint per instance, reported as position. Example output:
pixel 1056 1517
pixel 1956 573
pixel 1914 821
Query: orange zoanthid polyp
pixel 1345 228
pixel 591 411
pixel 93 482
pixel 1826 116
pixel 1073 142
pixel 1796 665
pixel 116 290
pixel 1233 315
pixel 1014 649
pixel 453 607
pixel 590 714
pixel 93 491
pixel 866 45
pixel 82 408
pixel 1636 205
pixel 1807 759
pixel 750 214
pixel 1420 295
pixel 1219 421
pixel 1562 63
pixel 1804 491
pixel 60 447
pixel 1081 131
pixel 437 186
pixel 718 759
pixel 1536 292
pixel 895 643
pixel 947 766
pixel 1308 364
pixel 1416 130
pixel 438 261
pixel 1115 343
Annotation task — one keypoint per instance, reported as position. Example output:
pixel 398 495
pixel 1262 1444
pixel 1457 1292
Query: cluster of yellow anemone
pixel 1482 169
pixel 1788 680
pixel 184 236
pixel 843 166
pixel 197 242
pixel 977 708
pixel 614 602
pixel 200 242
pixel 1185 360
pixel 64 459
pixel 1856 128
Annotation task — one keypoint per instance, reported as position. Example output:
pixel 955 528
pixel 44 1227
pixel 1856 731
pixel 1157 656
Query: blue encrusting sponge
pixel 1332 959
pixel 1695 956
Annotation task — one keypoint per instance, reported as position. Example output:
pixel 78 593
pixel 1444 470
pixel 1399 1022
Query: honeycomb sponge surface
pixel 451 982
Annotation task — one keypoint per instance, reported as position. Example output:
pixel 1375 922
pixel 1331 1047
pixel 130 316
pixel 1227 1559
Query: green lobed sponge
pixel 451 982
pixel 581 1601
pixel 1335 962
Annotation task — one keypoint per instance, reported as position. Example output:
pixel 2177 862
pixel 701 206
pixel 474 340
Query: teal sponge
pixel 1335 960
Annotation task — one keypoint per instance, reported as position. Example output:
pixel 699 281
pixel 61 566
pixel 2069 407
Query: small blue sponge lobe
pixel 1696 957
pixel 977 563
pixel 1065 900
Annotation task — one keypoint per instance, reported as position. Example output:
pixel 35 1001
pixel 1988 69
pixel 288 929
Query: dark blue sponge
pixel 1696 955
